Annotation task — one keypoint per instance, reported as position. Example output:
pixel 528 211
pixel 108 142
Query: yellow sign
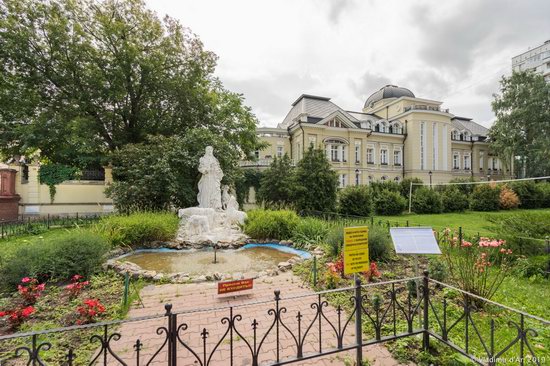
pixel 356 249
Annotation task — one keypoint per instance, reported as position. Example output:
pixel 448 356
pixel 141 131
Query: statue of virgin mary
pixel 210 195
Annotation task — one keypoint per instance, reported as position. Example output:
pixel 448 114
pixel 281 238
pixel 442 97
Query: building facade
pixel 536 60
pixel 395 136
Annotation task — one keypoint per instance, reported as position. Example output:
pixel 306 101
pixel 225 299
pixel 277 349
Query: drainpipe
pixel 290 141
pixel 403 151
pixel 303 137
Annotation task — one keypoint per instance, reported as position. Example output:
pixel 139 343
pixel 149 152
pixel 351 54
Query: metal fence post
pixel 314 270
pixel 172 327
pixel 358 322
pixel 426 295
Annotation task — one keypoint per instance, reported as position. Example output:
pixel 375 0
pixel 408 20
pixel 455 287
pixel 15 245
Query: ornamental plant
pixel 76 286
pixel 478 266
pixel 89 311
pixel 30 290
pixel 16 317
pixel 508 199
pixel 372 273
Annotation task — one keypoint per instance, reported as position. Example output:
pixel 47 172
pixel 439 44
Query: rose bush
pixel 477 266
pixel 89 311
pixel 30 290
pixel 16 317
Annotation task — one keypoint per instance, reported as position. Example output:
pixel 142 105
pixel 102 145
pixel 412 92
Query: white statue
pixel 209 185
pixel 217 218
pixel 225 196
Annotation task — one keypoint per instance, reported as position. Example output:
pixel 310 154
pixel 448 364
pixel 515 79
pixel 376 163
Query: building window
pixel 312 141
pixel 435 147
pixel 257 154
pixel 280 151
pixel 466 136
pixel 370 155
pixel 357 153
pixel 384 178
pixel 467 164
pixel 342 180
pixel 334 123
pixel 384 157
pixel 371 179
pixel 454 135
pixel 495 164
pixel 344 153
pixel 481 160
pixel 357 178
pixel 334 153
pixel 25 174
pixel 397 157
pixel 383 127
pixel 396 179
pixel 456 161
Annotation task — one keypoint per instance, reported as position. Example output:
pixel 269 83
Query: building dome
pixel 388 91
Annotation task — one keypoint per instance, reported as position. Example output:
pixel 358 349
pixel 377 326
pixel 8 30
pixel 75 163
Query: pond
pixel 250 258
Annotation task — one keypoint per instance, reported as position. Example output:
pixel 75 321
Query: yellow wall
pixel 83 197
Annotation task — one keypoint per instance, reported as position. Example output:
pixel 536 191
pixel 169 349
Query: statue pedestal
pixel 201 225
pixel 9 200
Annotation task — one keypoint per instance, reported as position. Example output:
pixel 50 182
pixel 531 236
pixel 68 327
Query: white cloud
pixel 273 51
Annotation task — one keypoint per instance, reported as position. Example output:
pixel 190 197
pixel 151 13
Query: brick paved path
pixel 201 296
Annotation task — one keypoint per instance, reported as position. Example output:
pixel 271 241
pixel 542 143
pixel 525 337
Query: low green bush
pixel 485 197
pixel 405 186
pixel 380 244
pixel 532 266
pixel 356 200
pixel 390 203
pixel 545 188
pixel 427 201
pixel 530 194
pixel 334 241
pixel 309 232
pixel 138 228
pixel 454 200
pixel 267 224
pixel 524 232
pixel 58 257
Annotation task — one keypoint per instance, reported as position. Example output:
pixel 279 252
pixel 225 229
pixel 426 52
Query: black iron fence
pixel 291 329
pixel 40 224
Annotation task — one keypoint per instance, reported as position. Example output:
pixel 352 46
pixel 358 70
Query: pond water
pixel 250 258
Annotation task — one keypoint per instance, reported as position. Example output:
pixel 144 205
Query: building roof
pixel 388 91
pixel 314 108
pixel 462 123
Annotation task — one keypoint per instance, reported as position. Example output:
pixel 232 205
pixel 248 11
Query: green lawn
pixel 471 222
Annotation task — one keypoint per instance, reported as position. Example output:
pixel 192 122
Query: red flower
pixel 26 280
pixel 26 312
pixel 3 314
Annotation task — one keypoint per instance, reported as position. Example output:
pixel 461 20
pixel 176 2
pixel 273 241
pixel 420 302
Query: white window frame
pixel 370 154
pixel 383 156
pixel 456 160
pixel 357 151
pixel 397 157
pixel 280 151
pixel 467 162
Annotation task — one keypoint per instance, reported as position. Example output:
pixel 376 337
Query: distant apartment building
pixel 536 59
pixel 395 136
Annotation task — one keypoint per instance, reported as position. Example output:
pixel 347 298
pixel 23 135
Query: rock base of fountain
pixel 206 227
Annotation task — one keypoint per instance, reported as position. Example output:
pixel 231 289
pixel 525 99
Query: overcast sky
pixel 452 51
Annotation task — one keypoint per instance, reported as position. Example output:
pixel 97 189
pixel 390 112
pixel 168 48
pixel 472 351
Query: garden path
pixel 186 297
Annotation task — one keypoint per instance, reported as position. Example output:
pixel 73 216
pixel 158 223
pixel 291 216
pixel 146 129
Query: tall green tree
pixel 521 132
pixel 80 79
pixel 315 182
pixel 277 184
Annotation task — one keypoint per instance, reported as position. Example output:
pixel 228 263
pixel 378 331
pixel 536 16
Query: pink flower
pixel 26 280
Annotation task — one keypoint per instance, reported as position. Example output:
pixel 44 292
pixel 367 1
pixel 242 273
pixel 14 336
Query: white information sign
pixel 414 240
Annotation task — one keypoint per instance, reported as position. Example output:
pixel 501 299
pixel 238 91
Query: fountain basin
pixel 197 265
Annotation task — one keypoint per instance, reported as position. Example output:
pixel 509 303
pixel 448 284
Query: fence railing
pixel 36 225
pixel 291 329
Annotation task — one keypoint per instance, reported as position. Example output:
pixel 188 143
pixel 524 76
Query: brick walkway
pixel 202 296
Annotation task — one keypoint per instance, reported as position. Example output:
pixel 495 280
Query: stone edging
pixel 136 271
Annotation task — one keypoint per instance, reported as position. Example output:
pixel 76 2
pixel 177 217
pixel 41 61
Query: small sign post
pixel 229 287
pixel 356 249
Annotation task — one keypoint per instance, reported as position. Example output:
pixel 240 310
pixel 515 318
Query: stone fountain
pixel 217 219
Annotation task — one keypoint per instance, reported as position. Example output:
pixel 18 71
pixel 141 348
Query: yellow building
pixel 395 136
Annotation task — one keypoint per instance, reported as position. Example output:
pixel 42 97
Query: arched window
pixel 384 178
pixel 454 135
pixel 397 128
pixel 377 127
pixel 383 127
pixel 466 136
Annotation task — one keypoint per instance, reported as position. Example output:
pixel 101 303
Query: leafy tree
pixel 426 201
pixel 485 197
pixel 80 79
pixel 277 183
pixel 162 172
pixel 356 200
pixel 315 182
pixel 405 186
pixel 521 131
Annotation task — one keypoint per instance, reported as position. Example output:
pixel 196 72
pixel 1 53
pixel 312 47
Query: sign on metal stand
pixel 356 249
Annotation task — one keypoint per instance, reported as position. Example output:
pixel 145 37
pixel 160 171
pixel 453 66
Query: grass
pixel 472 222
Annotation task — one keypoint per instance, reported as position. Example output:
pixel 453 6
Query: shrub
pixel 309 231
pixel 138 228
pixel 89 311
pixel 518 228
pixel 405 186
pixel 380 247
pixel 356 200
pixel 467 189
pixel 454 200
pixel 508 199
pixel 379 187
pixel 426 201
pixel 390 203
pixel 437 270
pixel 545 188
pixel 485 197
pixel 15 317
pixel 532 266
pixel 469 263
pixel 266 224
pixel 530 194
pixel 334 241
pixel 59 257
